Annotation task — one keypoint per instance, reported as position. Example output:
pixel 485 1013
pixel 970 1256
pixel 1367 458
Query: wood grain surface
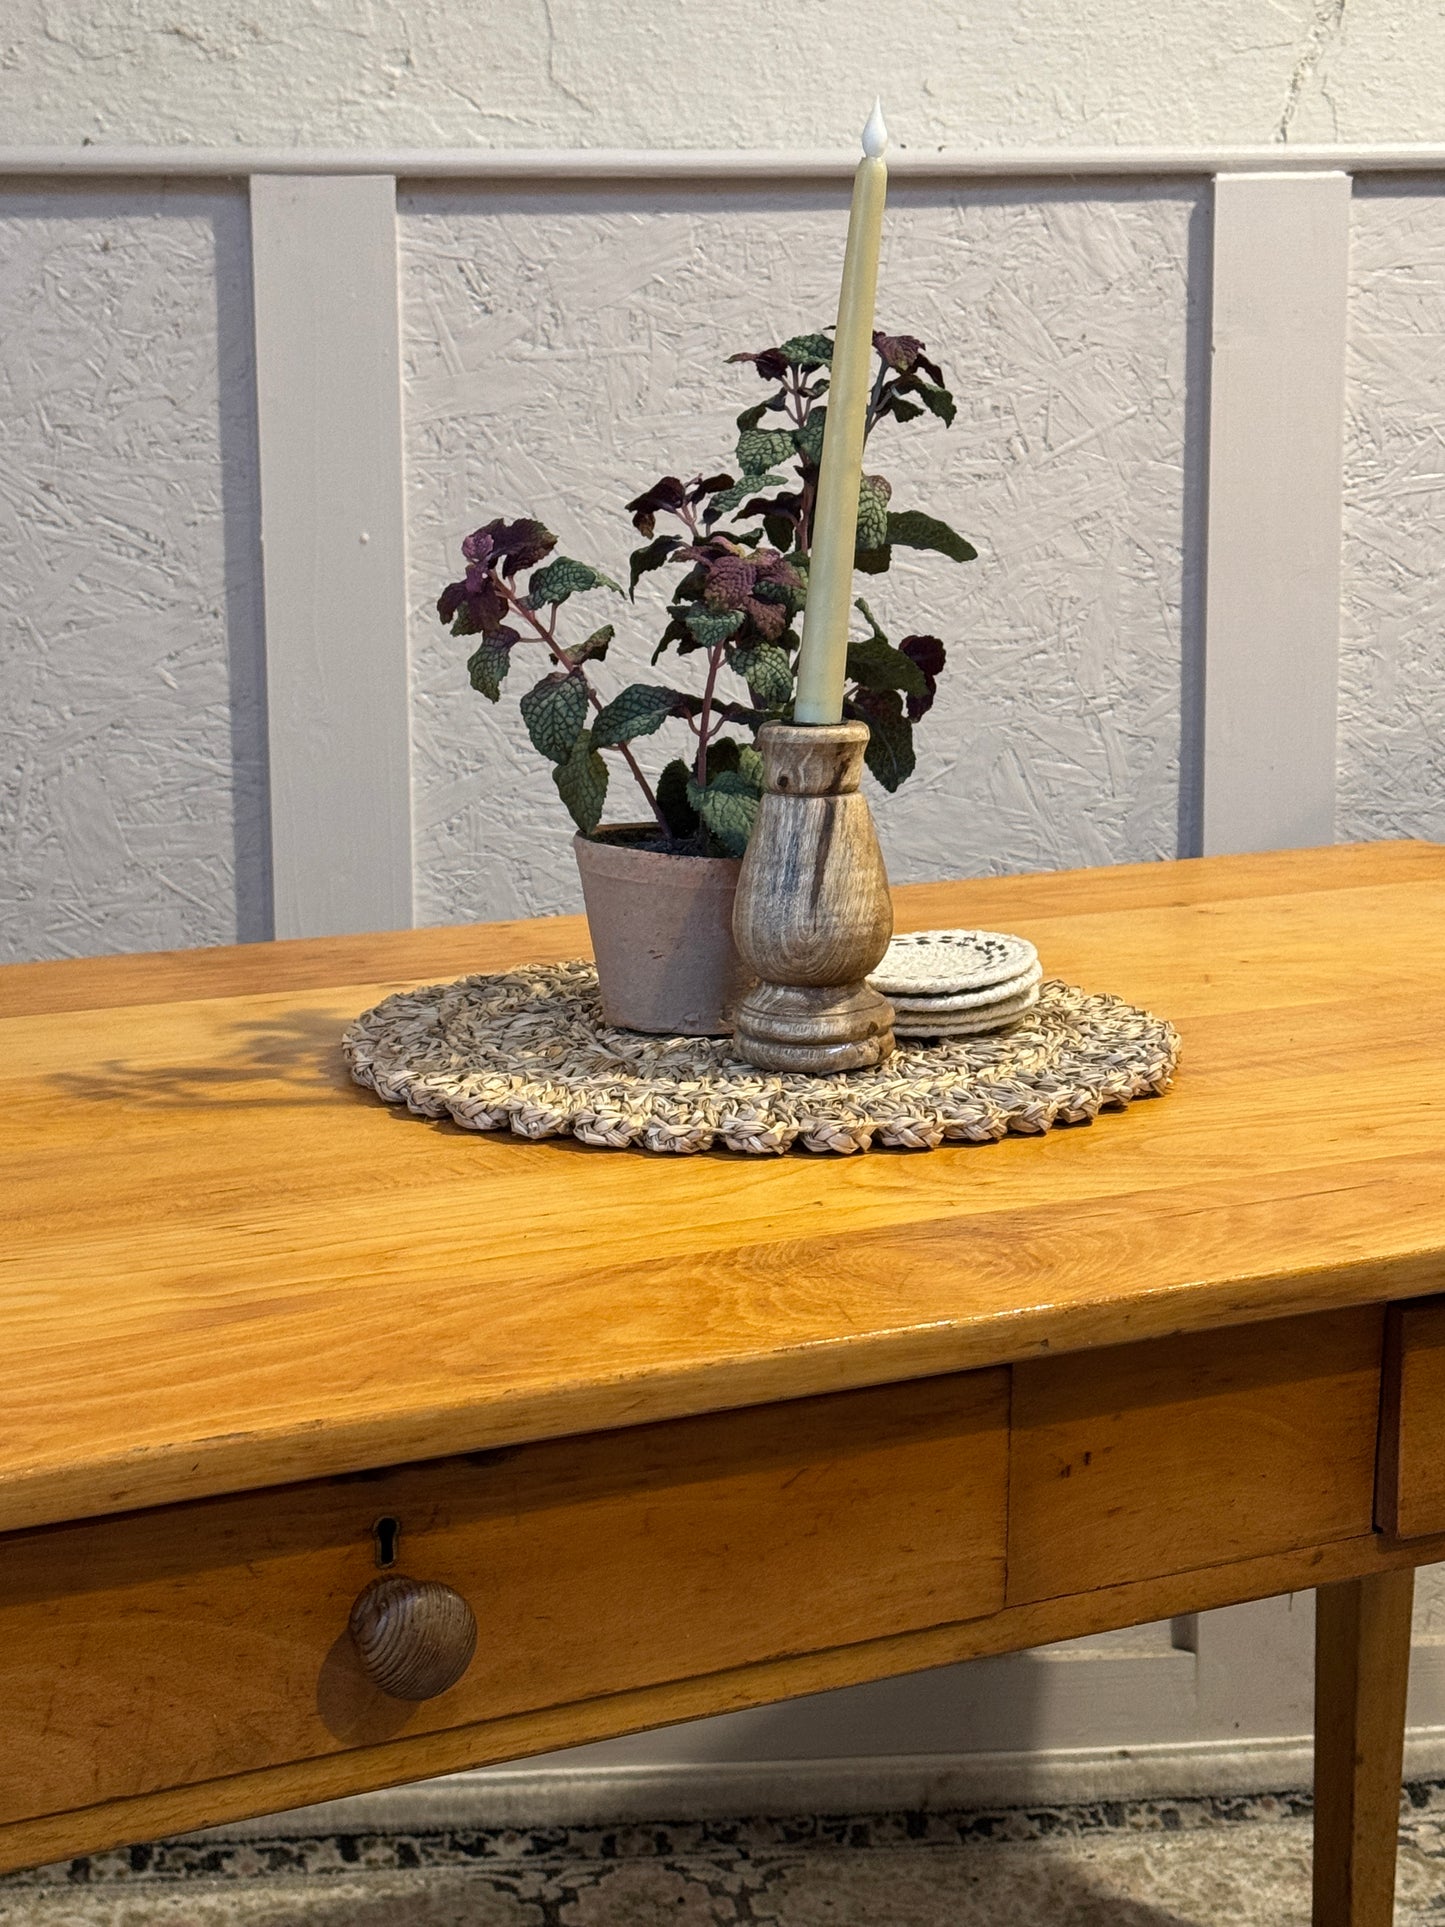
pixel 1362 1674
pixel 416 1756
pixel 204 1640
pixel 1410 1495
pixel 813 915
pixel 414 1637
pixel 1190 1451
pixel 225 1267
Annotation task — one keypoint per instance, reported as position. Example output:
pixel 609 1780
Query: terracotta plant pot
pixel 662 933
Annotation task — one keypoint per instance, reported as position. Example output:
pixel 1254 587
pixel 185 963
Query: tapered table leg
pixel 1362 1667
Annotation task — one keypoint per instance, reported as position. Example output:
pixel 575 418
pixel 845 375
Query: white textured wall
pixel 132 811
pixel 561 353
pixel 560 358
pixel 1392 666
pixel 754 74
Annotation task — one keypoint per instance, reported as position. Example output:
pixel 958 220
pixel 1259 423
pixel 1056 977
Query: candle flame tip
pixel 875 133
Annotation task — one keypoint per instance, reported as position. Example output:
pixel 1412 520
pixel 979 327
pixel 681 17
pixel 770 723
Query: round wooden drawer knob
pixel 414 1637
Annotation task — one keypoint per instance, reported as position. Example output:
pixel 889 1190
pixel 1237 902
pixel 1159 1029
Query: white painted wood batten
pixel 330 408
pixel 329 404
pixel 561 166
pixel 1277 397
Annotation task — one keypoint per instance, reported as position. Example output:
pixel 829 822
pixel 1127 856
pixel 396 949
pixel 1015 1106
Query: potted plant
pixel 659 892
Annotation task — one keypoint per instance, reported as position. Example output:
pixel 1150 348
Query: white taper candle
pixel 823 655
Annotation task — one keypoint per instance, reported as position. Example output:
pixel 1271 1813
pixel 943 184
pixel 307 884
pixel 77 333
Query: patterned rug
pixel 1146 1863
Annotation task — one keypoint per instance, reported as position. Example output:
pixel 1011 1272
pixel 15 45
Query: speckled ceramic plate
pixel 961 1000
pixel 969 1023
pixel 927 963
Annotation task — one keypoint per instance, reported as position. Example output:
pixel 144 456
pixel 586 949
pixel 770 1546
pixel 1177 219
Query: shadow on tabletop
pixel 290 1057
pixel 293 1058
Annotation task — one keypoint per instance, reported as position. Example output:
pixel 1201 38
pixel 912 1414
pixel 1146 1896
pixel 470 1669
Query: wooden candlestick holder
pixel 813 915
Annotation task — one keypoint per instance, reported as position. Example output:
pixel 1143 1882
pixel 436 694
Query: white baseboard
pixel 614 1795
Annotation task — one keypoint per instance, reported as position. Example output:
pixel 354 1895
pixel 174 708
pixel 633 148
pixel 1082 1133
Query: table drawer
pixel 1143 1460
pixel 197 1641
pixel 1410 1490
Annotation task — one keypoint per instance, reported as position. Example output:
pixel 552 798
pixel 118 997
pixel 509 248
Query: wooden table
pixel 695 1434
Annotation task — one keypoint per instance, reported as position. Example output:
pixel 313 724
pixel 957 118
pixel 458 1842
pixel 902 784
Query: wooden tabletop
pixel 224 1266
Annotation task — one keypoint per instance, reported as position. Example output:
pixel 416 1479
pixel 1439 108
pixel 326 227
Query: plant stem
pixel 795 396
pixel 559 655
pixel 871 418
pixel 805 516
pixel 714 664
pixel 647 790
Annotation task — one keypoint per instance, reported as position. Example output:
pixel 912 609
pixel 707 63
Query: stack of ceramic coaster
pixel 958 983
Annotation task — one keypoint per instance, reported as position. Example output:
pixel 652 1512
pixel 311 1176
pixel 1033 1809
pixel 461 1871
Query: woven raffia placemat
pixel 528 1051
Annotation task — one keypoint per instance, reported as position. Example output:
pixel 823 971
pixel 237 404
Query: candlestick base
pixel 813 915
pixel 800 1027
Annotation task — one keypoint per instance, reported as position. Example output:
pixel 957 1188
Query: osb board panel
pixel 132 790
pixel 561 356
pixel 201 1641
pixel 1192 1451
pixel 1392 671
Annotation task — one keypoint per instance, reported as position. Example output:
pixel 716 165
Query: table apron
pixel 175 1668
